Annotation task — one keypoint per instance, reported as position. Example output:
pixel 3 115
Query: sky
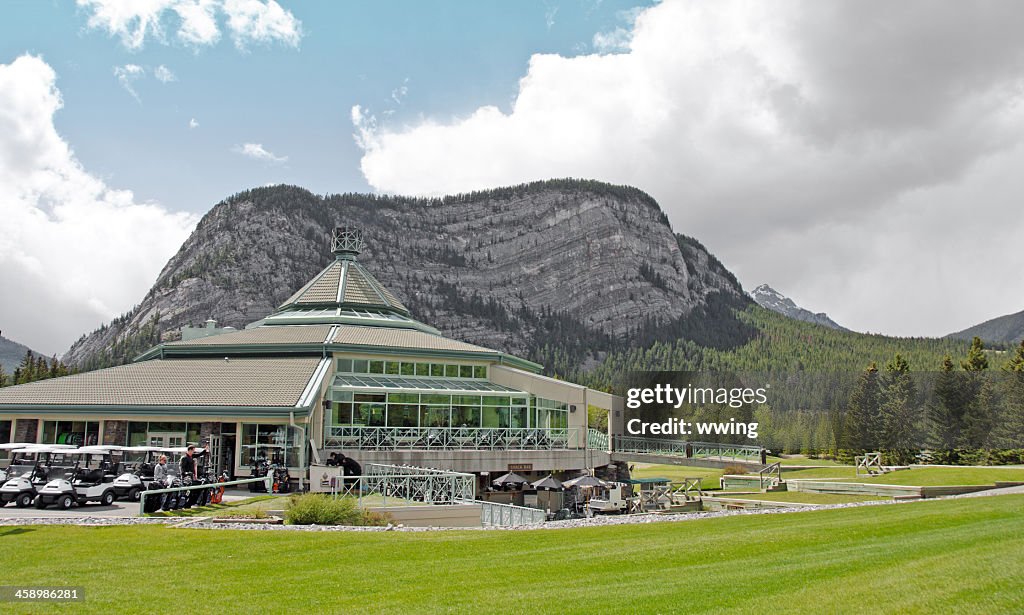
pixel 862 158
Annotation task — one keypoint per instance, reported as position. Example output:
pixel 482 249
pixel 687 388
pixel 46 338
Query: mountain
pixel 768 297
pixel 1007 329
pixel 558 271
pixel 11 354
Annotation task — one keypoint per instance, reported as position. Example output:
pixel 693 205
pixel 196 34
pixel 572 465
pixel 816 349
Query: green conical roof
pixel 345 283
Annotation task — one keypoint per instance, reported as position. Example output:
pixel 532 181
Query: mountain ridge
pixel 767 297
pixel 1007 329
pixel 550 271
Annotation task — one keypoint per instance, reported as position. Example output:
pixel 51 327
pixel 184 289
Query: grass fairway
pixel 709 476
pixel 924 477
pixel 923 557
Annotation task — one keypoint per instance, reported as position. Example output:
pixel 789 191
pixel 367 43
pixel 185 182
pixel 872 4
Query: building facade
pixel 340 367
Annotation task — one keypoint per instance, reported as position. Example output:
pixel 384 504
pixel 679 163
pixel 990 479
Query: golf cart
pixel 4 451
pixel 138 462
pixel 31 468
pixel 90 480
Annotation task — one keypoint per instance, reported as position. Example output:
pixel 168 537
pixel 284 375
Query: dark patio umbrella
pixel 585 481
pixel 549 482
pixel 509 479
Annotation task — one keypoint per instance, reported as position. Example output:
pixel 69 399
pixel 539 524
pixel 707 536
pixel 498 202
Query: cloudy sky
pixel 863 158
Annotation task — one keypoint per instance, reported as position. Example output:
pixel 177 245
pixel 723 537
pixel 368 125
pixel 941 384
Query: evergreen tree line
pixel 32 368
pixel 967 412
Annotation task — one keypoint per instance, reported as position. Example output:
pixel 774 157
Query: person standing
pixel 188 465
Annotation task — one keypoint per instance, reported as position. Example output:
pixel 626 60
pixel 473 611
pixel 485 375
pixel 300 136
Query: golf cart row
pixel 65 476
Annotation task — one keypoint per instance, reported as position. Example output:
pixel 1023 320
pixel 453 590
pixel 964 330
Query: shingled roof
pixel 272 382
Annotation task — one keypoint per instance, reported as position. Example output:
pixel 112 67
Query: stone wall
pixel 26 430
pixel 115 432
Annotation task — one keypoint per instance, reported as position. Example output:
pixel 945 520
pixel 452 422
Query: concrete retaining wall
pixel 454 515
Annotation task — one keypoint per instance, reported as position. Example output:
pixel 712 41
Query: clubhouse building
pixel 340 367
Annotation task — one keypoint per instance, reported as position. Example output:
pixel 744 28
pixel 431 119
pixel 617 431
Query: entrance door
pixel 167 439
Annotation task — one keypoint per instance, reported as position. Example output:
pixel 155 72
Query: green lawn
pixel 925 477
pixel 709 476
pixel 923 557
pixel 806 498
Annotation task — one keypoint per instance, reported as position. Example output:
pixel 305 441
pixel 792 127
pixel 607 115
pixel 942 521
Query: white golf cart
pixel 90 480
pixel 32 467
pixel 139 463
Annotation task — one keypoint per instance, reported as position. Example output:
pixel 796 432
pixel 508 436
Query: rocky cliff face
pixel 562 265
pixel 768 297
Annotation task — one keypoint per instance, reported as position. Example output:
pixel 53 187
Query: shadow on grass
pixel 14 531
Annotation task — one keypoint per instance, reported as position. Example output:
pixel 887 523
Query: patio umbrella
pixel 509 479
pixel 549 482
pixel 585 481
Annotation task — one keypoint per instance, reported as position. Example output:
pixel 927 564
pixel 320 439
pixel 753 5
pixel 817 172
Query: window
pixel 376 367
pixel 422 369
pixel 436 369
pixel 465 371
pixel 451 371
pixel 360 366
pixel 275 443
pixel 479 371
pixel 79 433
pixel 392 368
pixel 369 409
pixel 345 366
pixel 408 369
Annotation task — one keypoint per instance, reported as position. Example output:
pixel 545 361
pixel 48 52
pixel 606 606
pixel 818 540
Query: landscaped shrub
pixel 322 509
pixel 735 469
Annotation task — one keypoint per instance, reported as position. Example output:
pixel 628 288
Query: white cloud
pixel 549 16
pixel 193 123
pixel 825 148
pixel 127 75
pixel 196 23
pixel 252 21
pixel 398 94
pixel 74 252
pixel 256 151
pixel 164 74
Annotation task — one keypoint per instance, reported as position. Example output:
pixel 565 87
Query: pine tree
pixel 945 414
pixel 978 415
pixel 3 377
pixel 899 412
pixel 1010 431
pixel 27 368
pixel 862 415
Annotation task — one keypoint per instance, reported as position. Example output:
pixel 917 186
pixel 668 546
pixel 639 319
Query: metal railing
pixel 770 476
pixel 407 483
pixel 496 514
pixel 597 440
pixel 451 438
pixel 683 448
pixel 268 480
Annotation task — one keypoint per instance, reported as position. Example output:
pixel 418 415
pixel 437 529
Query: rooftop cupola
pixel 345 283
pixel 347 242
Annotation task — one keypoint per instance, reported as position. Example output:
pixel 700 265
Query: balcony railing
pixel 597 440
pixel 682 448
pixel 452 438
